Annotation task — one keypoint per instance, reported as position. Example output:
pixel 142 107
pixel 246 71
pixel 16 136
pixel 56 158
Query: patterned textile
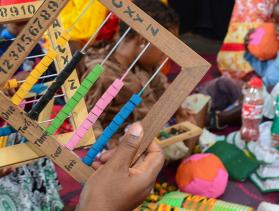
pixel 247 14
pixel 31 187
pixel 177 201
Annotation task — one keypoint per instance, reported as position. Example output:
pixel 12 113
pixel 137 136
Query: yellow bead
pixel 11 84
pixel 48 59
pixel 52 54
pixel 31 79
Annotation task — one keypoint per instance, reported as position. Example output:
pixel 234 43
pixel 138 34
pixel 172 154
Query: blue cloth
pixel 268 70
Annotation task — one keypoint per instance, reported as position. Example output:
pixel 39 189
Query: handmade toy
pixel 263 42
pixel 202 174
pixel 41 141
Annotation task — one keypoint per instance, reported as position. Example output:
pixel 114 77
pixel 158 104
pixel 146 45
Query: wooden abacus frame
pixel 21 153
pixel 193 69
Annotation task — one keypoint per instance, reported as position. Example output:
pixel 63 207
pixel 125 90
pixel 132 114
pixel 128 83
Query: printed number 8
pixel 45 14
pixel 3 12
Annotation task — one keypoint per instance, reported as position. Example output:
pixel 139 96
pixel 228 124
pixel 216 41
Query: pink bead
pixel 97 111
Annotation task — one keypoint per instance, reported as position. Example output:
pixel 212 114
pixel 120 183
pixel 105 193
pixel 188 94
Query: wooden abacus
pixel 21 153
pixel 193 69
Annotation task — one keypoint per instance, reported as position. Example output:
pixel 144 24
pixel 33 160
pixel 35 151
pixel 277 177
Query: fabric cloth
pixel 268 70
pixel 133 83
pixel 223 91
pixel 239 166
pixel 247 14
pixel 88 23
pixel 178 201
pixel 264 206
pixel 31 187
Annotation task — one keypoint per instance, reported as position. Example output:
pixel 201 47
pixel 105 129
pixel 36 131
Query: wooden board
pixel 29 37
pixel 18 12
pixel 59 154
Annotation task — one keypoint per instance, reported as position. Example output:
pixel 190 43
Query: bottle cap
pixel 256 82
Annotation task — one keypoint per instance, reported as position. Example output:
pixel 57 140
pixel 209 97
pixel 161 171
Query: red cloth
pixel 9 2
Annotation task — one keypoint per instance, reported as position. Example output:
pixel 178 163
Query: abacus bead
pixel 82 90
pixel 136 99
pixel 67 109
pixel 119 119
pixel 63 115
pixel 11 84
pixel 52 54
pixel 86 83
pixel 31 80
pixel 92 118
pixel 40 68
pixel 113 126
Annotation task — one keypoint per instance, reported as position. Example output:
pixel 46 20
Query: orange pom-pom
pixel 263 42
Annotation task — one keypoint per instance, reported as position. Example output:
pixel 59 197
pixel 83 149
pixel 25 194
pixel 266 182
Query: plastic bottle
pixel 275 124
pixel 252 110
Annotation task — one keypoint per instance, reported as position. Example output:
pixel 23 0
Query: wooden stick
pixel 155 33
pixel 168 104
pixel 18 12
pixel 28 38
pixel 193 131
pixel 30 129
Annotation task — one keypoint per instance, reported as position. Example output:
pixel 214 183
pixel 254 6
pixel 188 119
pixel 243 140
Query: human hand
pixel 117 186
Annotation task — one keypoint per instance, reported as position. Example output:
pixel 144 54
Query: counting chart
pixel 10 155
pixel 193 69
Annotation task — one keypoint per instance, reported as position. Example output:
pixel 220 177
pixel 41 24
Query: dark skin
pixel 115 178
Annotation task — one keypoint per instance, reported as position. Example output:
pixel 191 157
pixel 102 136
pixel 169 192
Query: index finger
pixel 153 161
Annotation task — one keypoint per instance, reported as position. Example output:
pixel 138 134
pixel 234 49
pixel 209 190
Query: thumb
pixel 128 146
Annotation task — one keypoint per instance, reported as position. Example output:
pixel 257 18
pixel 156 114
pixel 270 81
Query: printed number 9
pixel 14 11
pixel 53 5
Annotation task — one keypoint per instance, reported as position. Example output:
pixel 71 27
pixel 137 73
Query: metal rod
pixel 115 46
pixel 34 101
pixel 43 77
pixel 153 76
pixel 35 56
pixel 135 61
pixel 95 33
pixel 50 120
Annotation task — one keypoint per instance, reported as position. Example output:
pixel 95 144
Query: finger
pixel 107 155
pixel 96 164
pixel 128 147
pixel 153 161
